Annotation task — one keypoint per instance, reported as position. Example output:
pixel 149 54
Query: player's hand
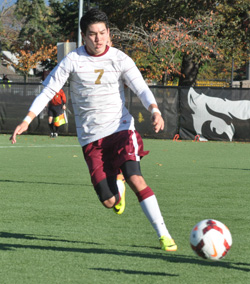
pixel 18 131
pixel 157 122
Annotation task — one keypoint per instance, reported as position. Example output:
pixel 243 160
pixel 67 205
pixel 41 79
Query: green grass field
pixel 54 230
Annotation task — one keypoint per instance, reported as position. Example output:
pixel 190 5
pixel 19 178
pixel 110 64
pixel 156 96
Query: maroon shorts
pixel 105 156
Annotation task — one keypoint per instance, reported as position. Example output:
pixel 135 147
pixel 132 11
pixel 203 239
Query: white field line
pixel 37 146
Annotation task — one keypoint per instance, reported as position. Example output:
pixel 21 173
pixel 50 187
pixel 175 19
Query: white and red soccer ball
pixel 210 239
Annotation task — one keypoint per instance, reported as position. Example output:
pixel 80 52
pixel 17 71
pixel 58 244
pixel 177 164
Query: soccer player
pixel 111 146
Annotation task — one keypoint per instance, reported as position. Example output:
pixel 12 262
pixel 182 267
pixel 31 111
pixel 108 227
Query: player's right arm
pixel 37 106
pixel 53 83
pixel 23 126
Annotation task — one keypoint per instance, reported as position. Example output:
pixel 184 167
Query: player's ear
pixel 83 37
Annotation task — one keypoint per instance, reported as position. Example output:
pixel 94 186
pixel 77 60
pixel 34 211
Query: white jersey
pixel 97 91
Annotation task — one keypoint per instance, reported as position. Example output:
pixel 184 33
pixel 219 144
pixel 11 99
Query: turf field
pixel 54 230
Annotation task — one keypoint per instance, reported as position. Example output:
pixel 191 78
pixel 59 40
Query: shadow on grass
pixel 42 182
pixel 126 271
pixel 171 257
pixel 39 238
pixel 235 169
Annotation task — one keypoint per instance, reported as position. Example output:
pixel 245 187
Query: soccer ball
pixel 210 239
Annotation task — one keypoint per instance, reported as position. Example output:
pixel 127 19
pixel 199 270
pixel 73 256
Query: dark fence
pixel 190 113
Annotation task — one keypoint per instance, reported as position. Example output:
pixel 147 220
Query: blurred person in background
pixel 56 108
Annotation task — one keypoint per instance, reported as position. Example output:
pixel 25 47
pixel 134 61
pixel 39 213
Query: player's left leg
pixel 149 203
pixel 151 209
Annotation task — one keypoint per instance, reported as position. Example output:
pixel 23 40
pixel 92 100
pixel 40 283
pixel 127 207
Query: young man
pixel 105 128
pixel 56 108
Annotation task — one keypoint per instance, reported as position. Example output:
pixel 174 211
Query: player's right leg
pixel 120 205
pixel 108 193
pixel 109 188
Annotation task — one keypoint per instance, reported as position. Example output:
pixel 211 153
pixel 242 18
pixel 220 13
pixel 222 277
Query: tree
pixel 157 47
pixel 199 34
pixel 9 27
pixel 65 18
pixel 27 59
pixel 65 15
pixel 38 36
pixel 230 27
pixel 35 28
pixel 234 33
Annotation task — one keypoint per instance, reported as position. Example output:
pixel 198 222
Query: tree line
pixel 170 40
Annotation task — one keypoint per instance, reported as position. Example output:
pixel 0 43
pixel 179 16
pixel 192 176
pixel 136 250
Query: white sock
pixel 121 186
pixel 152 211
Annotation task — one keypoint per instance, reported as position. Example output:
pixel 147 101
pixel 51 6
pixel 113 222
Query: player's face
pixel 96 38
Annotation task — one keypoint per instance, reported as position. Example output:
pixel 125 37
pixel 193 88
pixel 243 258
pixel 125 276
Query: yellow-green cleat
pixel 167 244
pixel 120 207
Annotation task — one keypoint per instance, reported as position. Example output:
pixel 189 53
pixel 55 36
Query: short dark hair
pixel 93 16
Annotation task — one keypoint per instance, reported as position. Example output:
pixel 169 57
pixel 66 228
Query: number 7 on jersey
pixel 98 80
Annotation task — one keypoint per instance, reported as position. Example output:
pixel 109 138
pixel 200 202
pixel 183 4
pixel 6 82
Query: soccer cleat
pixel 167 244
pixel 120 207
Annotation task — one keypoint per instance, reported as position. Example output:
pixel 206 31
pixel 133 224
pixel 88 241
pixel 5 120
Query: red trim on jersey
pixel 144 194
pixel 97 55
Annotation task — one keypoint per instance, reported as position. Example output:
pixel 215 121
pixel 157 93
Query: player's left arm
pixel 157 120
pixel 134 80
